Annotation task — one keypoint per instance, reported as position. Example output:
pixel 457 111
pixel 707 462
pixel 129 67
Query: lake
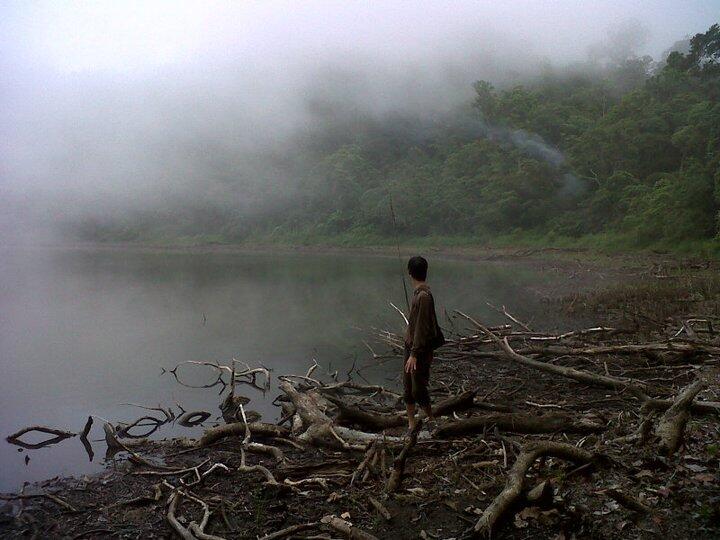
pixel 84 331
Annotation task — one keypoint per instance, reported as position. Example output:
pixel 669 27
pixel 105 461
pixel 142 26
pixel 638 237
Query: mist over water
pixel 86 331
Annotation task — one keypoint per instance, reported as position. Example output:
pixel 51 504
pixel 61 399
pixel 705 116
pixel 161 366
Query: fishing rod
pixel 397 244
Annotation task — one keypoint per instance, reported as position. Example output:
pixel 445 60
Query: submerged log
pixel 57 436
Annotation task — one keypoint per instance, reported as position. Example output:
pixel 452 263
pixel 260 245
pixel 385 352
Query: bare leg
pixel 411 415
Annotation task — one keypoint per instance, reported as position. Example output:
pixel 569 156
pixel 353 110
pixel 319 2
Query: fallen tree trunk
pixel 238 429
pixel 515 484
pixel 519 423
pixel 379 422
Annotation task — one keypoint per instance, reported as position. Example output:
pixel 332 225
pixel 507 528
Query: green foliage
pixel 624 156
pixel 679 206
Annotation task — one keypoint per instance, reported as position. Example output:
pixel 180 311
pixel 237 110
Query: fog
pixel 108 107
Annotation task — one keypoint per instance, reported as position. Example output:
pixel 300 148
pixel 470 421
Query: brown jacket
pixel 422 323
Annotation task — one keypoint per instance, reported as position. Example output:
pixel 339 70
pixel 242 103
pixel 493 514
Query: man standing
pixel 422 336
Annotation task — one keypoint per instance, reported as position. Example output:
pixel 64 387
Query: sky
pixel 100 100
pixel 126 36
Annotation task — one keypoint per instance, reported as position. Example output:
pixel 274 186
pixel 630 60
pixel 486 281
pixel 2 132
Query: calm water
pixel 82 332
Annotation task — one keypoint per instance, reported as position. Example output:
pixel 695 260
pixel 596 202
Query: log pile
pixel 516 410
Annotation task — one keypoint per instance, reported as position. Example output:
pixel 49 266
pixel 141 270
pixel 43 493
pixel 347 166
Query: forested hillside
pixel 625 154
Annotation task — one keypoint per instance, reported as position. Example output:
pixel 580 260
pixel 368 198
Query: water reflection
pixel 83 332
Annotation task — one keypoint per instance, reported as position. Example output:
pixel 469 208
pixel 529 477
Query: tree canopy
pixel 630 150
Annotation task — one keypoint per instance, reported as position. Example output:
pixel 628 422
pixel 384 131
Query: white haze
pixel 110 106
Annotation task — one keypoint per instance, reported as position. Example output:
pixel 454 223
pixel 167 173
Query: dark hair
pixel 418 266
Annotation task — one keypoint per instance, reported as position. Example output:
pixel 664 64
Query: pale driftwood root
pixel 115 444
pixel 515 485
pixel 347 529
pixel 306 405
pixel 338 437
pixel 292 530
pixel 316 428
pixel 238 429
pixel 194 531
pixel 49 496
pixel 266 449
pixel 671 426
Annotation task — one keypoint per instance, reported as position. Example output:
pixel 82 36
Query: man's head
pixel 417 268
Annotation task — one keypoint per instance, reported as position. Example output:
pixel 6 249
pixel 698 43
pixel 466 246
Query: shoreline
pixel 483 253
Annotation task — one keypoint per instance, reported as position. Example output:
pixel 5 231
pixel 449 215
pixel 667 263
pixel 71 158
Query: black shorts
pixel 415 384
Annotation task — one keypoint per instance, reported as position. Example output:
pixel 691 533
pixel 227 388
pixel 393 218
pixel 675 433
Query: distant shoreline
pixel 586 269
pixel 450 252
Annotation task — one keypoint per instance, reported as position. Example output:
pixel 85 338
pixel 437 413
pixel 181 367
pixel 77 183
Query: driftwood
pixel 238 428
pixel 288 531
pixel 672 424
pixel 399 465
pixel 379 422
pixel 696 407
pixel 58 436
pixel 49 496
pixel 194 531
pixel 346 528
pixel 115 444
pixel 519 423
pixel 593 379
pixel 515 484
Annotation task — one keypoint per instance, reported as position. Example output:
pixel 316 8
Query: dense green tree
pixel 627 148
